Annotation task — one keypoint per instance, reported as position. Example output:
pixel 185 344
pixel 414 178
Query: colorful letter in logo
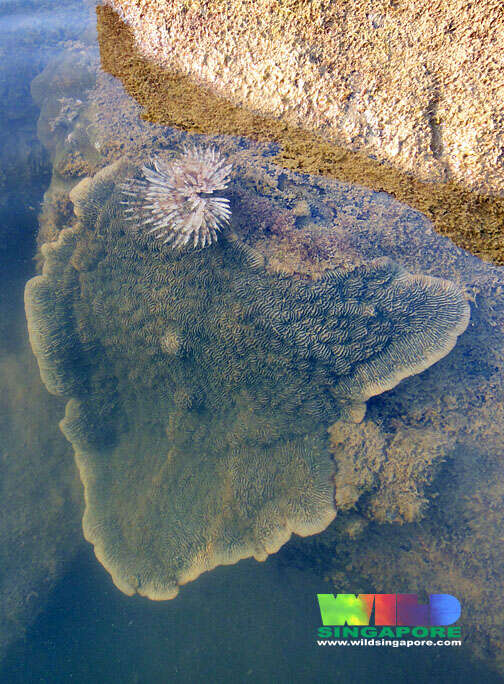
pixel 389 609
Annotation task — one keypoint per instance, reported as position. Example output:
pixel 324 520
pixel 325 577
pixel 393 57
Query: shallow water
pixel 64 618
pixel 250 623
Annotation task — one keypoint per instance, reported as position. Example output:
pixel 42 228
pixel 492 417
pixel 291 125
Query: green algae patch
pixel 201 384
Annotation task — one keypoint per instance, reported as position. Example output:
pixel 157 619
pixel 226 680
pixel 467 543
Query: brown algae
pixel 473 221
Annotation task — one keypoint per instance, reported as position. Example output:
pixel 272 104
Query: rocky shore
pixel 416 84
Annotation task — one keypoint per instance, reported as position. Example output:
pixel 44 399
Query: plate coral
pixel 201 384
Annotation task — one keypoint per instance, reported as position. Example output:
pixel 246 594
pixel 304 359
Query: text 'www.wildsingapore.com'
pixel 379 640
pixel 400 620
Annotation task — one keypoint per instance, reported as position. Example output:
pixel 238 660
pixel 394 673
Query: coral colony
pixel 215 450
pixel 177 197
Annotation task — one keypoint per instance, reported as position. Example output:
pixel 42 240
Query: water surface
pixel 249 622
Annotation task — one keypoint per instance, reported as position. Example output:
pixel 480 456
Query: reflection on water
pixel 236 346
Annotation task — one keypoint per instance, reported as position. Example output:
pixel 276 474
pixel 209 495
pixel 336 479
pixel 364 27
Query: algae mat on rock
pixel 473 220
pixel 416 83
pixel 201 383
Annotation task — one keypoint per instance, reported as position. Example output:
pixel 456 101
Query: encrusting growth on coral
pixel 177 197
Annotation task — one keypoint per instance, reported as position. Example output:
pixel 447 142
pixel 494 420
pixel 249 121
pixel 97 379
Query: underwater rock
pixel 457 548
pixel 428 456
pixel 392 470
pixel 217 451
pixel 417 86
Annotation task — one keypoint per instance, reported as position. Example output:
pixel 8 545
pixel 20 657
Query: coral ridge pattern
pixel 201 386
